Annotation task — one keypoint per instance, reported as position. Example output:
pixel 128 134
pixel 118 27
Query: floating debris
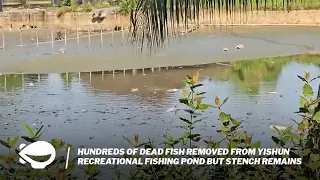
pixel 134 89
pixel 273 92
pixel 225 49
pixel 31 84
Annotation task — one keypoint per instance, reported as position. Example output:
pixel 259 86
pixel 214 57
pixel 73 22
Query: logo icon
pixel 39 148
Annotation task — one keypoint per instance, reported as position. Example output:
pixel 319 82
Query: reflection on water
pixel 98 109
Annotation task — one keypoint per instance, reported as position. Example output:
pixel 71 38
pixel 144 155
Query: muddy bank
pixel 204 47
pixel 40 17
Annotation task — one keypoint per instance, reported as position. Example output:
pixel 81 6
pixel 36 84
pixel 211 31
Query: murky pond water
pixel 95 109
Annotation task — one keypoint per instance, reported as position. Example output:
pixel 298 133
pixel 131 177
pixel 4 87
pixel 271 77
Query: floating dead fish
pixel 134 89
pixel 274 127
pixel 273 92
pixel 240 46
pixel 172 90
pixel 173 109
pixel 62 51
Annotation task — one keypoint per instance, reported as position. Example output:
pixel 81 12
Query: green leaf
pixel 203 107
pixel 224 134
pixel 29 130
pixel 302 178
pixel 317 117
pixel 316 101
pixel 303 110
pixel 185 93
pixel 184 101
pixel 4 143
pixel 38 132
pixel 256 145
pixel 304 152
pixel 307 91
pixel 202 93
pixel 277 141
pixel 13 142
pixel 233 144
pixel 224 101
pixel 224 117
pixel 302 78
pixel 303 102
pixel 315 165
pixel 28 139
pixel 195 86
pixel 185 120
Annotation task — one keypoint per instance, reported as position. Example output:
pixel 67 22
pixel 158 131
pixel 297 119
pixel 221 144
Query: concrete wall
pixel 44 18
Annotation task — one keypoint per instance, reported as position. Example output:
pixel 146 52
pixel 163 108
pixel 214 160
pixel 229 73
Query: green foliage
pixel 304 143
pixel 127 6
pixel 66 2
pixel 10 168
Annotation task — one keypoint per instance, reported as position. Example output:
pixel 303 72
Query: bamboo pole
pixel 78 38
pixel 114 18
pixel 101 38
pixel 89 38
pixel 52 40
pixel 122 32
pixel 3 42
pixel 65 38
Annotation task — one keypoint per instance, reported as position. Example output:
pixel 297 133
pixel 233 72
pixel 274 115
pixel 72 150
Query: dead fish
pixel 273 92
pixel 274 127
pixel 172 90
pixel 173 109
pixel 240 46
pixel 134 89
pixel 62 51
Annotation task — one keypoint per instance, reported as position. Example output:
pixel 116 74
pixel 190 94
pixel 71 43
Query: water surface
pixel 97 109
